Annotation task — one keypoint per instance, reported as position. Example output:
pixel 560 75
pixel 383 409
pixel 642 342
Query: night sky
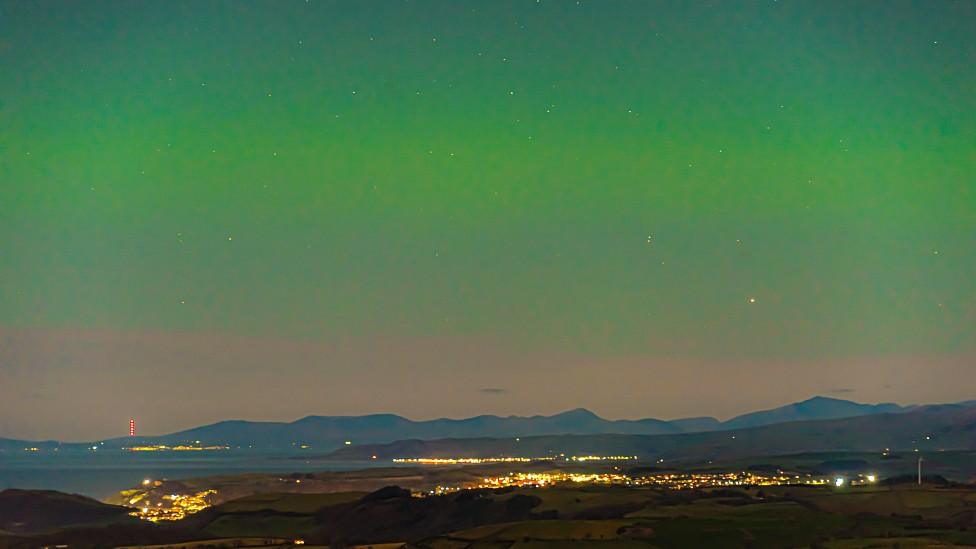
pixel 264 210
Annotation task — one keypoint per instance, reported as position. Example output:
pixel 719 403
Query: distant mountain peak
pixel 824 401
pixel 817 407
pixel 821 398
pixel 577 413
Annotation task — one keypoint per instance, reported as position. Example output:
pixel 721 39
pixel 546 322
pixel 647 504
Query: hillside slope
pixel 38 511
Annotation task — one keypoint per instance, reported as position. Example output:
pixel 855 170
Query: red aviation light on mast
pixel 132 427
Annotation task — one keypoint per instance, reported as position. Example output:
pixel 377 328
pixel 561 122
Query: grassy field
pixel 271 525
pixel 573 500
pixel 254 543
pixel 784 517
pixel 225 543
pixel 928 503
pixel 887 543
pixel 546 530
pixel 289 503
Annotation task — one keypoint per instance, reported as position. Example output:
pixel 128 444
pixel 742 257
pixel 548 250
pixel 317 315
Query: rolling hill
pixel 39 511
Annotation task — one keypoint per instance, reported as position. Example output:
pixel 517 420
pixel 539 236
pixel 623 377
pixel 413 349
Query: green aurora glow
pixel 330 171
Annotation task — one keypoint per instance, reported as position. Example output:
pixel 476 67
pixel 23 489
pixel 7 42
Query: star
pixel 752 300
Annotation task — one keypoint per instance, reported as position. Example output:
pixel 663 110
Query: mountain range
pixel 325 433
pixel 926 429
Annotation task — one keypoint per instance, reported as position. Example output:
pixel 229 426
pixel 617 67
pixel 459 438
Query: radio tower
pixel 132 427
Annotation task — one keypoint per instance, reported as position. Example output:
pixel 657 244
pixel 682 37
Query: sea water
pixel 101 474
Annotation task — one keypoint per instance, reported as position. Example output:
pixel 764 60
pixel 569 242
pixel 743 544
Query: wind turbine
pixel 920 459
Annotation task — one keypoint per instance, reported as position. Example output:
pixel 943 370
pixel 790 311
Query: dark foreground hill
pixel 567 515
pixel 928 428
pixel 390 513
pixel 38 511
